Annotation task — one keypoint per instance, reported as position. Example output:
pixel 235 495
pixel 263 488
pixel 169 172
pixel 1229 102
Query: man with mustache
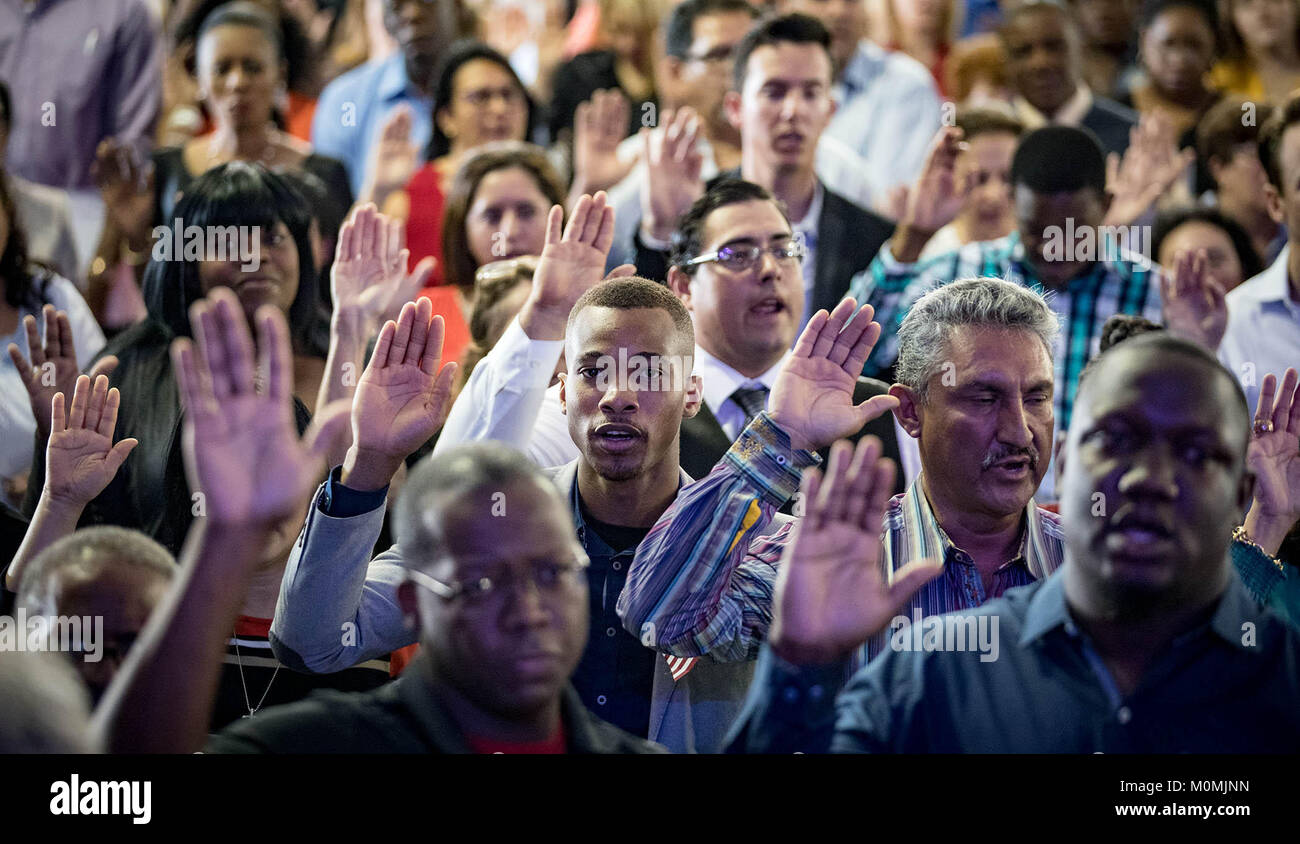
pixel 974 389
pixel 1145 641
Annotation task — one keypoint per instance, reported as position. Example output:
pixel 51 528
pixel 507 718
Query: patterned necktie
pixel 751 400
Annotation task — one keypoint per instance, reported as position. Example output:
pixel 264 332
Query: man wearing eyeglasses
pixel 736 265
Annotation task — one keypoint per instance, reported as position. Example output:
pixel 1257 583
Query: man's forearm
pixel 698 583
pixel 908 243
pixel 161 700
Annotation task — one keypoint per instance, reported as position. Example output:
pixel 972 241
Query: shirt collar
pixel 393 82
pixel 808 225
pixel 1048 609
pixel 1071 112
pixel 1272 285
pixel 719 380
pixel 566 479
pixel 929 540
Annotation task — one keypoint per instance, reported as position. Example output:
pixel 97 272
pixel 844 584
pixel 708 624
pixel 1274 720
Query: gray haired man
pixel 975 391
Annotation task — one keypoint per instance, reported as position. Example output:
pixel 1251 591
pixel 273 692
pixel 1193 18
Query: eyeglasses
pixel 549 578
pixel 739 258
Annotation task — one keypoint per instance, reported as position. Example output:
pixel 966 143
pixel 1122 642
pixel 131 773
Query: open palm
pixel 1274 457
pixel 241 446
pixel 812 398
pixel 369 272
pixel 53 364
pixel 403 396
pixel 1194 304
pixel 831 594
pixel 80 458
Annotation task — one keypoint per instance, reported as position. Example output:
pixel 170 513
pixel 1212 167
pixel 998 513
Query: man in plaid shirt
pixel 1068 244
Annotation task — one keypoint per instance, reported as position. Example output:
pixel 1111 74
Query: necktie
pixel 751 400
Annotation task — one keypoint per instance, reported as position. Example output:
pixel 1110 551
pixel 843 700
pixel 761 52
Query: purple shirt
pixel 79 72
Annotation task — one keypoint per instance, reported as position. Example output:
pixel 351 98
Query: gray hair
pixel 987 302
pixel 89 551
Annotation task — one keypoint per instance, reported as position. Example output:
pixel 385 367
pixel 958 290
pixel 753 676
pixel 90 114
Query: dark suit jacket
pixel 703 441
pixel 848 238
pixel 1111 123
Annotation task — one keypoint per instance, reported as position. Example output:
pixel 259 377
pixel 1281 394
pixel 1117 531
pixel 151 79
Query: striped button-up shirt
pixel 1128 285
pixel 704 577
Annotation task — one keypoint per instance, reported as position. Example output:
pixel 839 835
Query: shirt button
pixel 791 694
pixel 610 631
pixel 618 566
pixel 600 699
pixel 780 460
pixel 816 692
pixel 1124 715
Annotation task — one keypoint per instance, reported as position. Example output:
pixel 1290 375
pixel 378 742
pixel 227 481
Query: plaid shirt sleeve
pixel 703 578
pixel 891 287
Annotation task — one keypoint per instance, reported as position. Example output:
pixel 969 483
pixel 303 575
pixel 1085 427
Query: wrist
pixel 544 321
pixel 1265 530
pixel 797 440
pixel 59 504
pixel 366 470
pixel 909 241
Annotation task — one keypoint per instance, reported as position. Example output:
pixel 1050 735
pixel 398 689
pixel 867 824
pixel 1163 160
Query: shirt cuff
pixel 803 694
pixel 764 455
pixel 889 263
pixel 343 502
pixel 524 353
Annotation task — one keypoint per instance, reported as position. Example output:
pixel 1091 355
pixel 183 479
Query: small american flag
pixel 680 666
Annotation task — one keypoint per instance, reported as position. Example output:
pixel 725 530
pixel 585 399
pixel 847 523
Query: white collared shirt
pixel 719 381
pixel 1263 333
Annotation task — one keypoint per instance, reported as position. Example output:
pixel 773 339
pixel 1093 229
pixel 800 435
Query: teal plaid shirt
pixel 1129 285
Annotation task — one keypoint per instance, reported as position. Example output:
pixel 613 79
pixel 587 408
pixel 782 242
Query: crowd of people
pixel 621 376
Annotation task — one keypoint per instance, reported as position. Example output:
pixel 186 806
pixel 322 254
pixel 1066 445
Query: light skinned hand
pixel 812 398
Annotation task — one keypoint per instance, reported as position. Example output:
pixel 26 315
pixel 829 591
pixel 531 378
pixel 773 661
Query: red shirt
pixel 424 220
pixel 551 746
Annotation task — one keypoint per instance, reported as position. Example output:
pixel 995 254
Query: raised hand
pixel 936 198
pixel 570 265
pixel 369 275
pixel 80 458
pixel 812 399
pixel 831 595
pixel 402 398
pixel 394 158
pixel 126 184
pixel 673 161
pixel 53 365
pixel 1147 171
pixel 240 443
pixel 1274 458
pixel 1194 304
pixel 599 125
